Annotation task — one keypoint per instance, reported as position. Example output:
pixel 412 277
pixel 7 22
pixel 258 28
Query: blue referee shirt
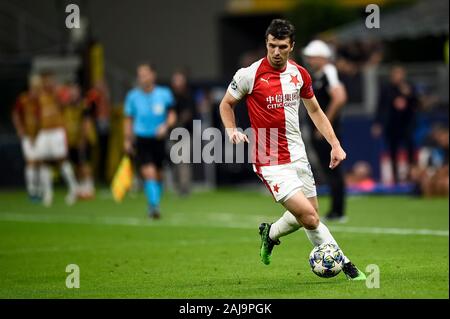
pixel 148 110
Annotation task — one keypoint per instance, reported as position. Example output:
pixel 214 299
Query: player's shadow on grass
pixel 304 283
pixel 315 283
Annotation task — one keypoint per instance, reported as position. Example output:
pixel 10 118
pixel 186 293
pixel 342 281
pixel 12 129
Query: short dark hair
pixel 281 29
pixel 148 65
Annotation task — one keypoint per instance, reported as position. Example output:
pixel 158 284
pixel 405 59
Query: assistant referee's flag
pixel 123 179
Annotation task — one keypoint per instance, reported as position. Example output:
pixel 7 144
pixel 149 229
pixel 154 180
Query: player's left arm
pixel 322 123
pixel 17 119
pixel 336 90
pixel 171 119
pixel 338 97
pixel 170 122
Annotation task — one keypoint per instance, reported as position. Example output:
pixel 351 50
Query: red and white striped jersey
pixel 273 100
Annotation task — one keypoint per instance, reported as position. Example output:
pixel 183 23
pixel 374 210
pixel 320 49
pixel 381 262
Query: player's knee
pixel 149 172
pixel 311 220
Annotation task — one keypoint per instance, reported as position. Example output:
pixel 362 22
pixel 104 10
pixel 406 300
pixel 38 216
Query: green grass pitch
pixel 206 246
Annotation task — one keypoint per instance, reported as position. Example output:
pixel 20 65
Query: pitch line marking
pixel 134 221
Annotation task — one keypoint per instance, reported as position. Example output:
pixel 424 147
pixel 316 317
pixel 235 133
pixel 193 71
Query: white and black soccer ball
pixel 326 260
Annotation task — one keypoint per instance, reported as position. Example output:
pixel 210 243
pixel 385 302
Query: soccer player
pixel 51 142
pixel 274 86
pixel 331 95
pixel 99 103
pixel 80 131
pixel 149 115
pixel 25 116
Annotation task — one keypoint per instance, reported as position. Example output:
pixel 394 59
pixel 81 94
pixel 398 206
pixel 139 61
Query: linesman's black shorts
pixel 80 156
pixel 150 151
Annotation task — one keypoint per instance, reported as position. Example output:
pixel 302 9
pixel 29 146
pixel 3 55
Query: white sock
pixel 31 176
pixel 86 186
pixel 284 226
pixel 45 176
pixel 322 235
pixel 69 176
pixel 83 187
pixel 89 185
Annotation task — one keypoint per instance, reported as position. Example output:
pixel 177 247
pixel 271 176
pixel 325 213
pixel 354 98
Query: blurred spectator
pixel 98 101
pixel 80 139
pixel 185 108
pixel 51 142
pixel 25 116
pixel 352 58
pixel 331 95
pixel 360 177
pixel 395 117
pixel 431 174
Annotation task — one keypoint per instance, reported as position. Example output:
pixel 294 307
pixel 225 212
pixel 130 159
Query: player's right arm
pixel 128 135
pixel 228 119
pixel 17 119
pixel 237 89
pixel 128 125
pixel 337 92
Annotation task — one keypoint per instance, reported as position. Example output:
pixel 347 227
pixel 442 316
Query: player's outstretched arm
pixel 338 99
pixel 322 123
pixel 128 132
pixel 167 125
pixel 229 121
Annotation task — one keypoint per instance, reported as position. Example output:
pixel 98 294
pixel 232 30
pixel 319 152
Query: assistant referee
pixel 149 115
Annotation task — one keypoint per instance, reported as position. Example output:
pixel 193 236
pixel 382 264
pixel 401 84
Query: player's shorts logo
pixel 276 188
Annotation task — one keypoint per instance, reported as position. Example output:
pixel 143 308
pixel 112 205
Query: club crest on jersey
pixel 295 80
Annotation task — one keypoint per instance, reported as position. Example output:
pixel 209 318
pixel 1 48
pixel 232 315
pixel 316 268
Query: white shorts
pixel 51 144
pixel 29 149
pixel 283 181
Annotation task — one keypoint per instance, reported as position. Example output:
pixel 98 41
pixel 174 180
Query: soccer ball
pixel 326 260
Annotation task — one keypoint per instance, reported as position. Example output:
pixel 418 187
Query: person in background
pixel 395 116
pixel 149 116
pixel 331 95
pixel 431 174
pixel 185 108
pixel 98 101
pixel 51 142
pixel 80 138
pixel 25 117
pixel 360 178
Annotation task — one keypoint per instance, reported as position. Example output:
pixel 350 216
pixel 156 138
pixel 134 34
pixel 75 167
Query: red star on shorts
pixel 276 188
pixel 294 79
